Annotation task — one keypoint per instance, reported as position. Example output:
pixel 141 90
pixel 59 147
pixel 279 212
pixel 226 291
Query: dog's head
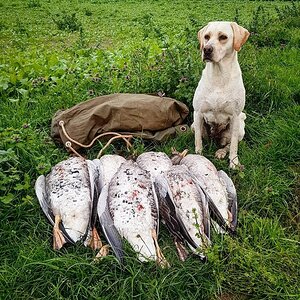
pixel 220 39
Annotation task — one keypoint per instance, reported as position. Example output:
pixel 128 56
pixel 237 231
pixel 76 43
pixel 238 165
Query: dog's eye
pixel 207 37
pixel 222 37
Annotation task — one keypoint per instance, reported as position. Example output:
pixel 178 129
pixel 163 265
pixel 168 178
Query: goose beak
pixel 178 156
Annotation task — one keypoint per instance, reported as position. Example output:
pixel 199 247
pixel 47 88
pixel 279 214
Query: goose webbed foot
pixel 161 260
pixel 95 242
pixel 181 250
pixel 58 237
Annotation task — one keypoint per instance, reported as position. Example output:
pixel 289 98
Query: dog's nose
pixel 208 50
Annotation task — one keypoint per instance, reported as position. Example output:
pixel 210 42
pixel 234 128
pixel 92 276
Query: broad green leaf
pixel 23 92
pixel 7 199
pixel 3 85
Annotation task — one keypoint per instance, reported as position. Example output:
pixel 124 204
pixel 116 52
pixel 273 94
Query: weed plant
pixel 55 54
pixel 67 22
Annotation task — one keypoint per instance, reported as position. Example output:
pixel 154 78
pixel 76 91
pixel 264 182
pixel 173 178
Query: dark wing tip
pixel 65 234
pixel 112 235
pixel 232 199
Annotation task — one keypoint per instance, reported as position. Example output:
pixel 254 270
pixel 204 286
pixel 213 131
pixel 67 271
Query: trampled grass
pixel 55 54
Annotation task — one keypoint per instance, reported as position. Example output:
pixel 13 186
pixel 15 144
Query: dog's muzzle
pixel 207 53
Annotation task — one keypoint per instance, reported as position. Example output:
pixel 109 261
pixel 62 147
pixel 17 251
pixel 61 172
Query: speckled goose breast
pixel 69 195
pixel 133 207
pixel 131 198
pixel 154 162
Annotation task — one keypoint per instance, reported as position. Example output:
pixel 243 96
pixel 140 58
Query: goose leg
pixel 230 218
pixel 58 238
pixel 104 250
pixel 181 251
pixel 95 242
pixel 160 257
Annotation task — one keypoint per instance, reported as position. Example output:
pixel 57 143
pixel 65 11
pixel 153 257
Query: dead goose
pixel 66 197
pixel 219 188
pixel 184 208
pixel 157 163
pixel 107 166
pixel 133 206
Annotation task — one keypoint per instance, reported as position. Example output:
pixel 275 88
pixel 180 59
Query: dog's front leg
pixel 198 128
pixel 233 151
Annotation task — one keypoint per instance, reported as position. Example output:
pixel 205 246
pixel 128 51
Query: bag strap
pixel 116 135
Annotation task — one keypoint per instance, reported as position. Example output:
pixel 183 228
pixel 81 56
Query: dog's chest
pixel 218 104
pixel 215 100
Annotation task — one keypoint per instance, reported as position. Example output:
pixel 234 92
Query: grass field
pixel 55 54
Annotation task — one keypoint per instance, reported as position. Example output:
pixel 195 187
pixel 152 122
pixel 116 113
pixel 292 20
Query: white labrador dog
pixel 220 96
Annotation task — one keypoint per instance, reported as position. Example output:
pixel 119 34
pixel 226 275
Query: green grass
pixel 55 54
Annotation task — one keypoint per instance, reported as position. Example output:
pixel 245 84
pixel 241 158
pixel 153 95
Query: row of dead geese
pixel 128 198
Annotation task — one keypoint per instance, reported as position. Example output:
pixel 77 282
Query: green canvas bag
pixel 140 115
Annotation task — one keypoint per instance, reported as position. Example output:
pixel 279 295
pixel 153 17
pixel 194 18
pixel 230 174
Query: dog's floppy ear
pixel 240 35
pixel 201 36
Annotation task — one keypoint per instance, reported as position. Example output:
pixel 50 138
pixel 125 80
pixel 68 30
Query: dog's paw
pixel 221 153
pixel 198 150
pixel 235 164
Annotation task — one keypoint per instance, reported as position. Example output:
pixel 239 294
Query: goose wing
pixel 95 190
pixel 168 212
pixel 208 179
pixel 41 193
pixel 204 203
pixel 107 224
pixel 232 198
pixel 91 236
pixel 213 209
